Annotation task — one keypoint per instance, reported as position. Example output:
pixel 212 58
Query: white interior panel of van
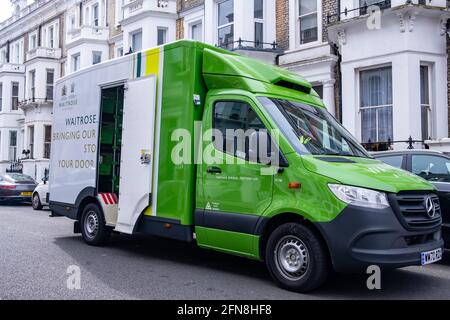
pixel 136 165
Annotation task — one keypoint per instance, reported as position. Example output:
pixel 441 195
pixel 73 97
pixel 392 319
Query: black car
pixel 16 187
pixel 433 166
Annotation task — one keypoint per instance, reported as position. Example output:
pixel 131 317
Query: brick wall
pixel 282 23
pixel 329 7
pixel 180 29
pixel 183 5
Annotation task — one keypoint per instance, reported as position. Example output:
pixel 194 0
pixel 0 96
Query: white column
pixel 328 96
pixel 350 114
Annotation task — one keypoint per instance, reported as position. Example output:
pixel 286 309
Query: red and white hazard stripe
pixel 108 198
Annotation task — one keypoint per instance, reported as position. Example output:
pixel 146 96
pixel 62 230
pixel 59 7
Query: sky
pixel 6 9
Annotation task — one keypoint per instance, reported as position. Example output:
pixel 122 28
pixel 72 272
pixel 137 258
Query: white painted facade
pixel 148 21
pixel 410 36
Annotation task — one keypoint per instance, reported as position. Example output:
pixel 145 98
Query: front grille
pixel 411 209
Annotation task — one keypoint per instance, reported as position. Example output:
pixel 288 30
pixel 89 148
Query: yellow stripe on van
pixel 152 62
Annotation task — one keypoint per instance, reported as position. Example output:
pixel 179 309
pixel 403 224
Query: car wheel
pixel 296 258
pixel 93 227
pixel 36 202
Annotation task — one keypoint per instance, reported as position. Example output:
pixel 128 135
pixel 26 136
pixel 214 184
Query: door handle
pixel 214 170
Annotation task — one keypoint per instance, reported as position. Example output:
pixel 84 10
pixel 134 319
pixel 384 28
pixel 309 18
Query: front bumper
pixel 360 237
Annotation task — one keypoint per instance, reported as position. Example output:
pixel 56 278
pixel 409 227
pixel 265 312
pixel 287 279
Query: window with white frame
pixel 33 41
pixel 33 85
pixel 47 141
pixel 162 35
pixel 31 141
pixel 14 96
pixel 96 57
pixel 425 101
pixel 258 14
pixel 75 62
pixel 95 15
pixel 225 24
pixel 376 105
pixel 50 79
pixel 196 30
pixel 136 41
pixel 308 21
pixel 12 152
pixel 17 53
pixel 120 52
pixel 3 56
pixel 51 37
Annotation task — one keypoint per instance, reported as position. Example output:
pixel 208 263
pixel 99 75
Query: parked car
pixel 39 197
pixel 16 187
pixel 433 166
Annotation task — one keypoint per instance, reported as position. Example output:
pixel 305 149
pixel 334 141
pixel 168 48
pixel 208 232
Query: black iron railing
pixel 362 10
pixel 249 45
pixel 15 166
pixel 387 145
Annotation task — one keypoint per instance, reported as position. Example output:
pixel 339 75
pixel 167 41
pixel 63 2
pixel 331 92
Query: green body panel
pixel 367 173
pixel 240 244
pixel 194 68
pixel 181 80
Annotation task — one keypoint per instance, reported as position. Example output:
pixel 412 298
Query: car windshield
pixel 312 130
pixel 16 177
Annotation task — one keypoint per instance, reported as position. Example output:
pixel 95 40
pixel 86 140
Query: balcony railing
pixel 88 32
pixel 387 145
pixel 41 52
pixel 250 45
pixel 132 7
pixel 12 68
pixel 359 11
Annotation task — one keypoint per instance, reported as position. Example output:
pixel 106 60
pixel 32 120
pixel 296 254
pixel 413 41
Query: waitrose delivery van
pixel 194 143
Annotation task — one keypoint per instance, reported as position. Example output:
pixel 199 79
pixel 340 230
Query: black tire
pixel 93 227
pixel 36 202
pixel 296 258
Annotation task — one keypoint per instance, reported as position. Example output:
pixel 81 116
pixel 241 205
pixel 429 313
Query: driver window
pixel 432 168
pixel 235 121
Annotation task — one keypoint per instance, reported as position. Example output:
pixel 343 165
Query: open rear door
pixel 137 152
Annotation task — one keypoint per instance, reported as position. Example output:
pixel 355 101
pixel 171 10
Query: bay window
pixel 376 105
pixel 308 21
pixel 225 24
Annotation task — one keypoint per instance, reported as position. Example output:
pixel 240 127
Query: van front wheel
pixel 296 258
pixel 93 227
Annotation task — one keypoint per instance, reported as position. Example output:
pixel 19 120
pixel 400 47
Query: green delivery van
pixel 191 142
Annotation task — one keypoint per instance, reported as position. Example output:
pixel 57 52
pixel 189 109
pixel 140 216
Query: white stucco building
pixel 394 71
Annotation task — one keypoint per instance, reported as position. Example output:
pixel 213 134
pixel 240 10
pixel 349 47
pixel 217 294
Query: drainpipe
pixel 81 14
pixel 39 36
pixel 7 51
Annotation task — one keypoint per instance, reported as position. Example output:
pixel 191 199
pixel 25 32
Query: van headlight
pixel 360 196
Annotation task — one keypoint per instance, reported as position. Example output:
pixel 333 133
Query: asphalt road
pixel 36 250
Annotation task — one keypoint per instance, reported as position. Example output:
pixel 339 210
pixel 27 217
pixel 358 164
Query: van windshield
pixel 312 130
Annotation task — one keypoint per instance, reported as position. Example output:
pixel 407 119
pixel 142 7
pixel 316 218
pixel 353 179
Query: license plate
pixel 431 256
pixel 26 194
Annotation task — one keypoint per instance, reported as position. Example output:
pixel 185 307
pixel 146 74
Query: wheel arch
pixel 287 217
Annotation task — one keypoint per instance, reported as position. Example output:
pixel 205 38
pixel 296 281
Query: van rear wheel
pixel 296 258
pixel 93 227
